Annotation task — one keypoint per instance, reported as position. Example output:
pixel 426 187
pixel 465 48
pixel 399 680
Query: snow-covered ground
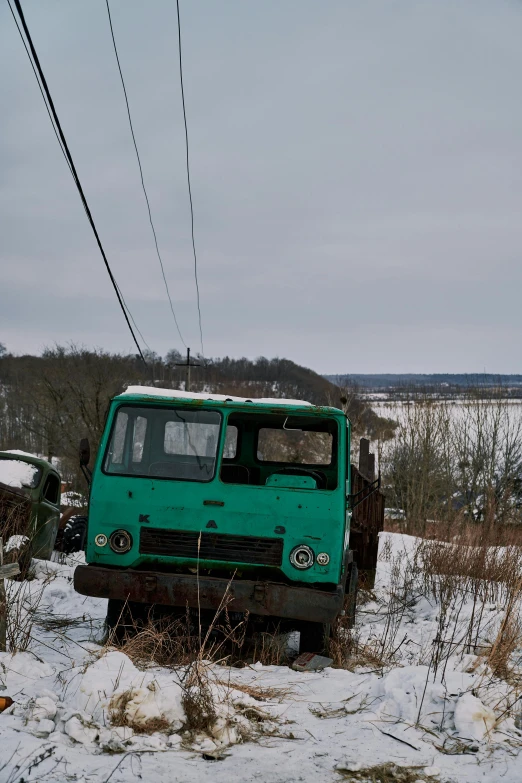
pixel 71 695
pixel 398 409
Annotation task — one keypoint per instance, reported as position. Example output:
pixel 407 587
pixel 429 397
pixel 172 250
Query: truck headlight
pixel 302 557
pixel 323 558
pixel 100 539
pixel 120 541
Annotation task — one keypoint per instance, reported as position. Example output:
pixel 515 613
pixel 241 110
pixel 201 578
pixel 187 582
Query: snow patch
pixel 152 391
pixel 15 473
pixel 15 542
pixel 473 720
pixel 73 499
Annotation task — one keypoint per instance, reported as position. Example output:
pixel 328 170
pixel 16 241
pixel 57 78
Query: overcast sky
pixel 356 174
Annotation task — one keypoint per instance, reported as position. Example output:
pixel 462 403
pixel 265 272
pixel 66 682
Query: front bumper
pixel 262 598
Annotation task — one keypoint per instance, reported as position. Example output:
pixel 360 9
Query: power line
pixel 141 175
pixel 72 167
pixel 188 178
pixel 63 150
pixel 145 343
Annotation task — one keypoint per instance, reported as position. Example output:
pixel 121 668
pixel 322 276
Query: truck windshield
pixel 163 442
pixel 261 445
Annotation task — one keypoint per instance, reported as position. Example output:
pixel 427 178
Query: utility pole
pixel 188 364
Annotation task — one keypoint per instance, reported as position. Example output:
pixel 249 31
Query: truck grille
pixel 235 549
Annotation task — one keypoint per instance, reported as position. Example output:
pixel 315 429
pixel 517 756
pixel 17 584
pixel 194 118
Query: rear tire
pixel 74 534
pixel 350 602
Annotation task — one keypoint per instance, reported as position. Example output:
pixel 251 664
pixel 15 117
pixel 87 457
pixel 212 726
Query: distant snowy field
pixel 325 723
pixel 395 409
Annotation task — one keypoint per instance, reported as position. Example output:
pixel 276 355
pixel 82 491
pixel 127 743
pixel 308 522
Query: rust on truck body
pixel 207 592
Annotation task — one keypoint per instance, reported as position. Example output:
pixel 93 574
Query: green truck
pixel 29 504
pixel 197 496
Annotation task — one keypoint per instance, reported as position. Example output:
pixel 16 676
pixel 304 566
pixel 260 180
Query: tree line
pixel 49 402
pixel 455 461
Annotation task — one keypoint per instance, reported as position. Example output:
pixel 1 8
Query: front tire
pixel 74 534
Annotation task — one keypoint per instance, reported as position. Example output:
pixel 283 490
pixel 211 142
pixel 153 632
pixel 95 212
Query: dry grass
pixel 349 706
pixel 173 641
pixel 348 651
pixel 472 558
pixel 347 648
pixel 459 529
pixel 509 638
pixel 190 652
pixel 386 773
pixel 165 642
pixel 477 591
pixel 270 649
pixel 244 721
pixel 23 606
pixel 22 594
pixel 455 574
pixel 56 622
pixel 118 717
pixel 16 518
pixel 191 656
pixel 198 700
pixel 257 692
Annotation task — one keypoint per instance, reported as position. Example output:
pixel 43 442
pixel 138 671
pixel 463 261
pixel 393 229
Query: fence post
pixel 364 453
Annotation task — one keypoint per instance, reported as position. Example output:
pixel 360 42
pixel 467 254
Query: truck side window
pixel 230 447
pixel 52 489
pixel 118 438
pixel 138 440
pixel 294 446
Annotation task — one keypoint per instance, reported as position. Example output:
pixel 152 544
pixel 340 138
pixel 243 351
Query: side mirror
pixel 85 452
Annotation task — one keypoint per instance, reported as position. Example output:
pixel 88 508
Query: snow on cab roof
pixel 152 391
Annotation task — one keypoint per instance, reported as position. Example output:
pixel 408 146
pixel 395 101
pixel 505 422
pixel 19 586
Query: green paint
pixel 271 503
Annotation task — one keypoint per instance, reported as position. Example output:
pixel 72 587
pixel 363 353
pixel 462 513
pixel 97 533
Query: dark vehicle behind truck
pixel 29 502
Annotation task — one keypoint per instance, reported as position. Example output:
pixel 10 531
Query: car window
pixel 52 489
